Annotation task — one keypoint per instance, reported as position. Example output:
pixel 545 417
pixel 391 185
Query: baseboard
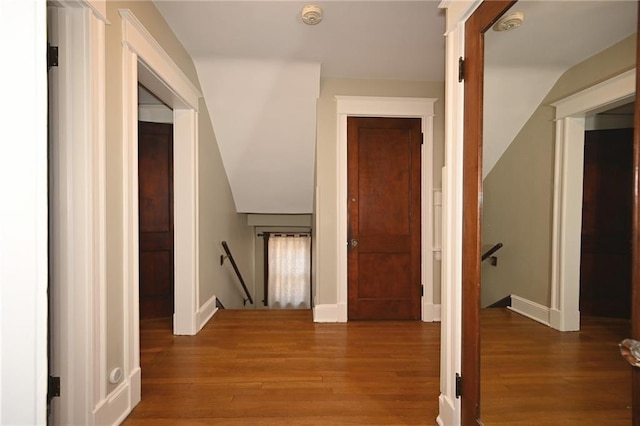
pixel 447 416
pixel 431 312
pixel 564 321
pixel 343 312
pixel 325 313
pixel 533 310
pixel 338 313
pixel 206 312
pixel 119 403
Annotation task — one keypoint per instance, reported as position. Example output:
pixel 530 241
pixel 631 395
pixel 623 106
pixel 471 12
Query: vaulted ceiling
pixel 523 64
pixel 260 68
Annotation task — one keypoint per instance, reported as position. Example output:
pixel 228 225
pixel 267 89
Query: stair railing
pixel 238 274
pixel 489 254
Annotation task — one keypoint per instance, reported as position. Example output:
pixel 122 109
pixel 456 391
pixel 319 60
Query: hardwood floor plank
pixel 534 375
pixel 280 368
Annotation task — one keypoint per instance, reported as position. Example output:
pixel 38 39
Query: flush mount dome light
pixel 509 22
pixel 311 14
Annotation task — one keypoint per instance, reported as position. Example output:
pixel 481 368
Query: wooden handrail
pixel 235 268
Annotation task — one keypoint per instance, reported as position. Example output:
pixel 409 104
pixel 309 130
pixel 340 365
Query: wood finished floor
pixel 534 375
pixel 279 368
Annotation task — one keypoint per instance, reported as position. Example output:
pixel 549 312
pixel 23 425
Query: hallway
pixel 278 367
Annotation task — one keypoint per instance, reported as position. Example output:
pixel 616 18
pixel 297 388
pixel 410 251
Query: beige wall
pixel 217 217
pixel 518 192
pixel 325 272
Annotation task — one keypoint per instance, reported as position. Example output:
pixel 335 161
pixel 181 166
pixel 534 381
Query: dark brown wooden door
pixel 605 258
pixel 480 21
pixel 635 242
pixel 383 156
pixel 155 186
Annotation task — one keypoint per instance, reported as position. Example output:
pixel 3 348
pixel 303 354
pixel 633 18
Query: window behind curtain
pixel 289 276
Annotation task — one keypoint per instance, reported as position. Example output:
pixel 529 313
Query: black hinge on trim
pixel 422 139
pixel 460 69
pixel 421 289
pixel 54 387
pixel 52 56
pixel 458 385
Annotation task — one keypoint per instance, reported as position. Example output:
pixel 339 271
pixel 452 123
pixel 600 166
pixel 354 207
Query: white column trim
pixel 79 212
pixel 370 106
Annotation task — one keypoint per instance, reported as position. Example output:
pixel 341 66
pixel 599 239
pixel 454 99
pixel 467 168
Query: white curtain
pixel 289 272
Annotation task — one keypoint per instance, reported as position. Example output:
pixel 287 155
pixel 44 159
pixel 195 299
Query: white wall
pixel 23 215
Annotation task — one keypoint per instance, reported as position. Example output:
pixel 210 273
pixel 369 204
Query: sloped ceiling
pixel 522 65
pixel 260 69
pixel 264 115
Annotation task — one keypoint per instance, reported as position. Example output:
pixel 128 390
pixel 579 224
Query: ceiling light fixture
pixel 509 22
pixel 311 14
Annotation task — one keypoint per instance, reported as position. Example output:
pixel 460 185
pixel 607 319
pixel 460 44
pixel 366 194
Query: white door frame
pixel 146 62
pixel 370 106
pixel 567 197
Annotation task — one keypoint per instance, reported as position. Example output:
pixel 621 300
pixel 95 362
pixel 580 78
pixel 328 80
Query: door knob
pixel 630 350
pixel 354 243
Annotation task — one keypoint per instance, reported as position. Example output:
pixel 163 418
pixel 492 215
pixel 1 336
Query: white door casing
pixel 146 62
pixel 564 312
pixel 370 106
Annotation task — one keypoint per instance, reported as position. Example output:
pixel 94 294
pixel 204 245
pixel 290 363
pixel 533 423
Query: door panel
pixel 155 181
pixel 384 218
pixel 480 21
pixel 605 259
pixel 635 244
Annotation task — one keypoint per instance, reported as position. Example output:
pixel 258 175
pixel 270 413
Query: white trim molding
pixel 206 312
pixel 146 62
pixel 326 313
pixel 370 106
pixel 170 84
pixel 567 196
pixel 432 311
pixel 78 211
pixel 529 309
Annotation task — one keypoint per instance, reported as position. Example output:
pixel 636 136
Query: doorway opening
pixel 155 201
pixel 156 224
pixel 605 258
pixel 363 106
pixel 287 270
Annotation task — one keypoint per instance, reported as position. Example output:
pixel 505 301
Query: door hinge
pixel 460 69
pixel 458 385
pixel 54 387
pixel 52 56
pixel 422 139
pixel 421 289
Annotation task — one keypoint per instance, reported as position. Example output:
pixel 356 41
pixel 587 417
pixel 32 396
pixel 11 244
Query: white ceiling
pixel 362 39
pixel 260 68
pixel 394 40
pixel 522 65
